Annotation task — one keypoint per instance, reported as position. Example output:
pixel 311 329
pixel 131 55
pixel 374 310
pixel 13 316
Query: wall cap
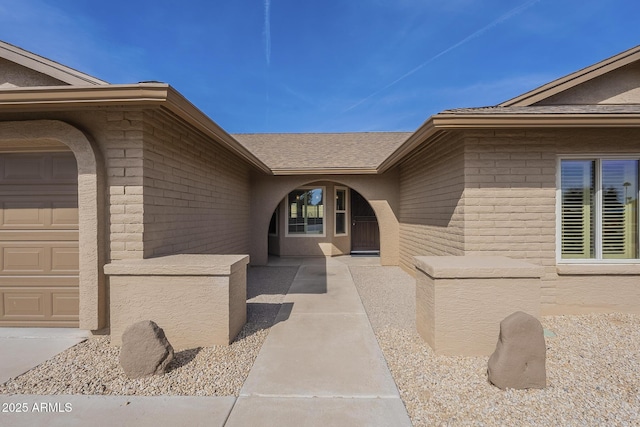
pixel 469 267
pixel 178 265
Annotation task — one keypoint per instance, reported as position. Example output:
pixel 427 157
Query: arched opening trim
pixel 93 305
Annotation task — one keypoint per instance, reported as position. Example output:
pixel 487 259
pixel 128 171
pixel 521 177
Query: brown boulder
pixel 519 359
pixel 145 350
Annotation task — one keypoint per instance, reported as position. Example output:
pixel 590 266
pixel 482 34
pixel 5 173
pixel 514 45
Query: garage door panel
pixel 39 304
pixel 38 168
pixel 38 215
pixel 65 259
pixel 24 214
pixel 23 260
pixel 47 323
pixel 39 256
pixel 63 168
pixel 25 167
pixel 24 282
pixel 39 190
pixel 64 305
pixel 24 304
pixel 8 236
pixel 64 214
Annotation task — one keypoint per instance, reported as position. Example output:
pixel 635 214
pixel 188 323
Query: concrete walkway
pixel 319 366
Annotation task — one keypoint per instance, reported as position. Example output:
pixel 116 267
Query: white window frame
pixel 324 207
pixel 345 211
pixel 597 158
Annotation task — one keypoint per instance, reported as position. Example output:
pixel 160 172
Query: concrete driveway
pixel 24 348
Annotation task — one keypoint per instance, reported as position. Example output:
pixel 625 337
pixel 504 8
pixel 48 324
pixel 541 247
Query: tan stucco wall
pixel 621 86
pixel 196 193
pixel 381 191
pixel 431 204
pixel 14 75
pixel 199 300
pixel 596 293
pixel 510 210
pixel 460 301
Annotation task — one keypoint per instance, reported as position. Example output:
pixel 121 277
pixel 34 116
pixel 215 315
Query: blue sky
pixel 331 65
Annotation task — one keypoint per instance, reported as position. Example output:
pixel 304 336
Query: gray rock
pixel 519 359
pixel 145 350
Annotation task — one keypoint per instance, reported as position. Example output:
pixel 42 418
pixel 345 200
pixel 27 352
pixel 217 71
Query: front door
pixel 365 235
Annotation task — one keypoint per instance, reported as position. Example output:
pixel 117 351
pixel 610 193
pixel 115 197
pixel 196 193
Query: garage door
pixel 38 239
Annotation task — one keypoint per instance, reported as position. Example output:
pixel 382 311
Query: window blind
pixel 577 180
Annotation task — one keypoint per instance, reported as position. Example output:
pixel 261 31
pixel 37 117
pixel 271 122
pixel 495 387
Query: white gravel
pixel 593 368
pixel 92 367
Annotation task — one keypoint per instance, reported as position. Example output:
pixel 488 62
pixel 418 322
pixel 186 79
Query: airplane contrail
pixel 476 34
pixel 267 55
pixel 267 31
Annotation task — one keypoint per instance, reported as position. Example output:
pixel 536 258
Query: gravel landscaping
pixel 92 367
pixel 593 363
pixel 593 367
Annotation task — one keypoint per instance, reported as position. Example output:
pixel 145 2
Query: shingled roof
pixel 317 152
pixel 551 109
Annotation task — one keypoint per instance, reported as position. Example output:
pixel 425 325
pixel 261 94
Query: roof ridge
pixel 46 66
pixel 574 79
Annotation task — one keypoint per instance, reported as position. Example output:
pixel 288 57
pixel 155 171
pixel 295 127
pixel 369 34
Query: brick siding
pixel 510 191
pixel 196 193
pixel 122 149
pixel 431 208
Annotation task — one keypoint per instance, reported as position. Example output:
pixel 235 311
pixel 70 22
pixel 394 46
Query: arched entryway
pixel 271 208
pixel 311 220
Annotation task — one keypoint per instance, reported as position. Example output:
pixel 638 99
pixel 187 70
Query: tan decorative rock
pixel 519 359
pixel 145 350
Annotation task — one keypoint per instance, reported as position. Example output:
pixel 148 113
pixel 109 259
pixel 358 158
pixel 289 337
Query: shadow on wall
pixel 432 183
pixel 432 211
